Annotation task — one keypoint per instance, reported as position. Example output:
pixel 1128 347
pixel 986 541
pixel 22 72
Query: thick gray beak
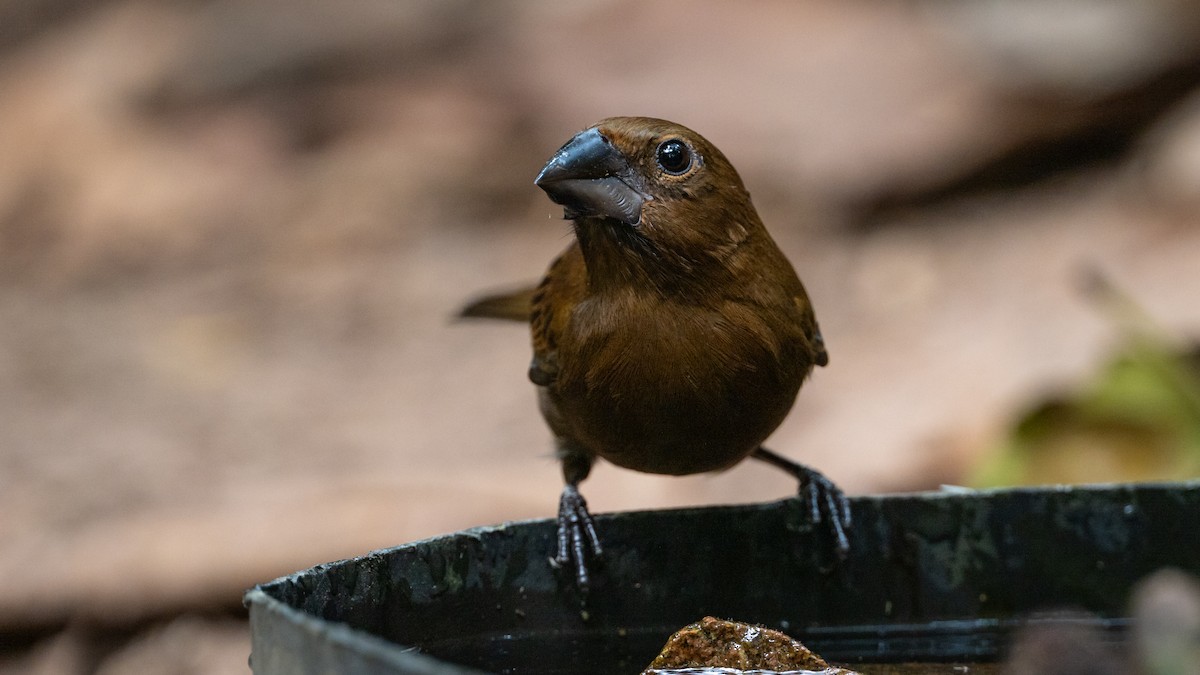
pixel 589 177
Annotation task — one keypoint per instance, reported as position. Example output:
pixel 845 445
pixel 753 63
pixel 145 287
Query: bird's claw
pixel 826 501
pixel 576 535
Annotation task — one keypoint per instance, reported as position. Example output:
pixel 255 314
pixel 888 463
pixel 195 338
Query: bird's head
pixel 650 186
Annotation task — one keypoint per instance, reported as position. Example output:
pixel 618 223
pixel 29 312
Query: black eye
pixel 674 156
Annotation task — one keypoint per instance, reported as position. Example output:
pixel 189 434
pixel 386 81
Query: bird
pixel 672 335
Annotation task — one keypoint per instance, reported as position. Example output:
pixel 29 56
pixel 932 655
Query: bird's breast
pixel 676 389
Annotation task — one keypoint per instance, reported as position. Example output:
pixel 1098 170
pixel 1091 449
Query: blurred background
pixel 234 235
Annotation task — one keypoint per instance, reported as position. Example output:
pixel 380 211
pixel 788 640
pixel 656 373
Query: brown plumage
pixel 672 335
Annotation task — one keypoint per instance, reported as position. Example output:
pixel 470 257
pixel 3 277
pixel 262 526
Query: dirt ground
pixel 234 235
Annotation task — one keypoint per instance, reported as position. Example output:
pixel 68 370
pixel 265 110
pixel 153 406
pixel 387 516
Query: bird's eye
pixel 674 157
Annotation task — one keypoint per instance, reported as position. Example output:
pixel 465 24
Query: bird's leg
pixel 825 500
pixel 576 530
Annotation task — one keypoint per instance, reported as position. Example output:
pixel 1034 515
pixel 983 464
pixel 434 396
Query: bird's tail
pixel 511 306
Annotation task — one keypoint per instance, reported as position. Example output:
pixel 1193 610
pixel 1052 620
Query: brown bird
pixel 672 335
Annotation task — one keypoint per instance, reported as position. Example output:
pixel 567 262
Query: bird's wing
pixel 822 356
pixel 812 331
pixel 564 285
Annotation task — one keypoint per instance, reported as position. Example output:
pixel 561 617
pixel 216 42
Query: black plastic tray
pixel 935 577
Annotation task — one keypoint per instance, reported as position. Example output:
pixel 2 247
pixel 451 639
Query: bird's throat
pixel 617 255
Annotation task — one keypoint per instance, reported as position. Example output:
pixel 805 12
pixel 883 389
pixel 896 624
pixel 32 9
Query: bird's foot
pixel 576 535
pixel 827 503
pixel 825 500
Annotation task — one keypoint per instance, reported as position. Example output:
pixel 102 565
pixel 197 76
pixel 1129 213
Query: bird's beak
pixel 590 177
